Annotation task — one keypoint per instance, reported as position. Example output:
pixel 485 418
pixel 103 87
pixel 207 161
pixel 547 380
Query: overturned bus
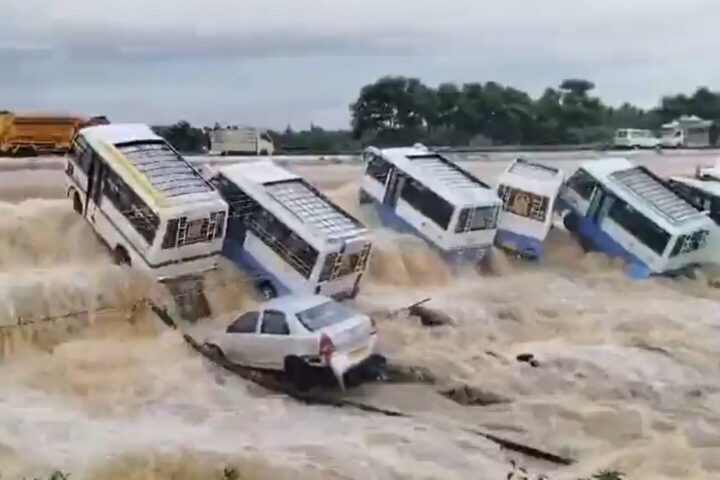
pixel 626 211
pixel 287 235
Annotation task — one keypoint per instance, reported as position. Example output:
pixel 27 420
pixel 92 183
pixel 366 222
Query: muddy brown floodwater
pixel 627 373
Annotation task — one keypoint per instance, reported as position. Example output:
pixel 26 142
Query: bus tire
pixel 267 290
pixel 570 222
pixel 121 256
pixel 77 203
pixel 363 197
pixel 298 373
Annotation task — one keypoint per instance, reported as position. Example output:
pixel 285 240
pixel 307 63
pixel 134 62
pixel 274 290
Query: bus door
pixel 96 181
pixel 395 182
pixel 600 204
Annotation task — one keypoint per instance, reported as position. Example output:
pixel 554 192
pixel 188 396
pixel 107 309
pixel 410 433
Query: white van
pixel 635 138
pixel 241 141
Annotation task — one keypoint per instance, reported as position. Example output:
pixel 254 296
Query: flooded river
pixel 627 373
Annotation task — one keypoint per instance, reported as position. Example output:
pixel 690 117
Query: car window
pixel 245 323
pixel 274 323
pixel 324 315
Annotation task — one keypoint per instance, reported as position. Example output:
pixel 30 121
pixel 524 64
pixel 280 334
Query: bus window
pixel 582 183
pixel 82 152
pixel 690 243
pixel 483 218
pixel 278 237
pixel 638 225
pixel 427 202
pixel 143 220
pixel 378 168
pixel 524 204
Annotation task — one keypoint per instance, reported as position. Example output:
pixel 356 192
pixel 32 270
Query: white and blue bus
pixel 145 201
pixel 528 191
pixel 702 190
pixel 626 211
pixel 288 235
pixel 419 191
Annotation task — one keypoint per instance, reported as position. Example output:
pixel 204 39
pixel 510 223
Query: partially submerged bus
pixel 288 235
pixel 702 190
pixel 626 211
pixel 422 192
pixel 528 191
pixel 145 201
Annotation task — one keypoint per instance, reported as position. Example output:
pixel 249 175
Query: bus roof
pixel 533 175
pixel 710 185
pixel 147 159
pixel 643 190
pixel 286 192
pixel 440 174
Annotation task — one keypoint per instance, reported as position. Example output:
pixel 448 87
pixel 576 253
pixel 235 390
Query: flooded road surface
pixel 626 373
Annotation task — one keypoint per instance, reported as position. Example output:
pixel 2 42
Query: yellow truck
pixel 32 135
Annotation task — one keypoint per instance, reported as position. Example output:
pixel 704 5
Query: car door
pixel 240 340
pixel 274 340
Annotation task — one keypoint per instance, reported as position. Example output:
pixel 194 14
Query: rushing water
pixel 627 373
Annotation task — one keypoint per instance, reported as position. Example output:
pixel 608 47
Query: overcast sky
pixel 277 62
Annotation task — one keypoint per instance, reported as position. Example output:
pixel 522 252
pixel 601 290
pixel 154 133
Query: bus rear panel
pixel 528 191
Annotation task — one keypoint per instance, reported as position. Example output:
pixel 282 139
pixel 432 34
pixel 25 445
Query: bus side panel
pixel 256 255
pixel 373 188
pixel 426 227
pixel 609 239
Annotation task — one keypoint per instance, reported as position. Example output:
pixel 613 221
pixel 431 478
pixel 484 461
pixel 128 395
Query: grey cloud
pixel 282 61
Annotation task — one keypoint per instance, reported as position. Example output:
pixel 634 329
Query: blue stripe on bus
pixel 523 244
pixel 604 243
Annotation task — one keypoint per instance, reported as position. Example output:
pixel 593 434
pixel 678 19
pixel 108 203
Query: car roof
pixel 295 302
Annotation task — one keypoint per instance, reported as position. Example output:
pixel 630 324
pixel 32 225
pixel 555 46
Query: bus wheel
pixel 267 290
pixel 77 204
pixel 570 222
pixel 121 257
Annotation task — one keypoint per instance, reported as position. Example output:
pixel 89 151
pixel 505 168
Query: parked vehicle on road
pixel 300 334
pixel 635 138
pixel 241 141
pixel 528 191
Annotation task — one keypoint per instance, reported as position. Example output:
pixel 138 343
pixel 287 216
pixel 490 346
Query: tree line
pixel 401 110
pixel 398 110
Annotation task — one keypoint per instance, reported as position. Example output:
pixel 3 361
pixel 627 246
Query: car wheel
pixel 375 367
pixel 267 290
pixel 298 373
pixel 214 351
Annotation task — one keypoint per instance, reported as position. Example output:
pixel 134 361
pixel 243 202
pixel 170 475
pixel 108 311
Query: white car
pixel 300 334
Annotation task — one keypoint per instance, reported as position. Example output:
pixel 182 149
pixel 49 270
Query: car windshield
pixel 324 315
